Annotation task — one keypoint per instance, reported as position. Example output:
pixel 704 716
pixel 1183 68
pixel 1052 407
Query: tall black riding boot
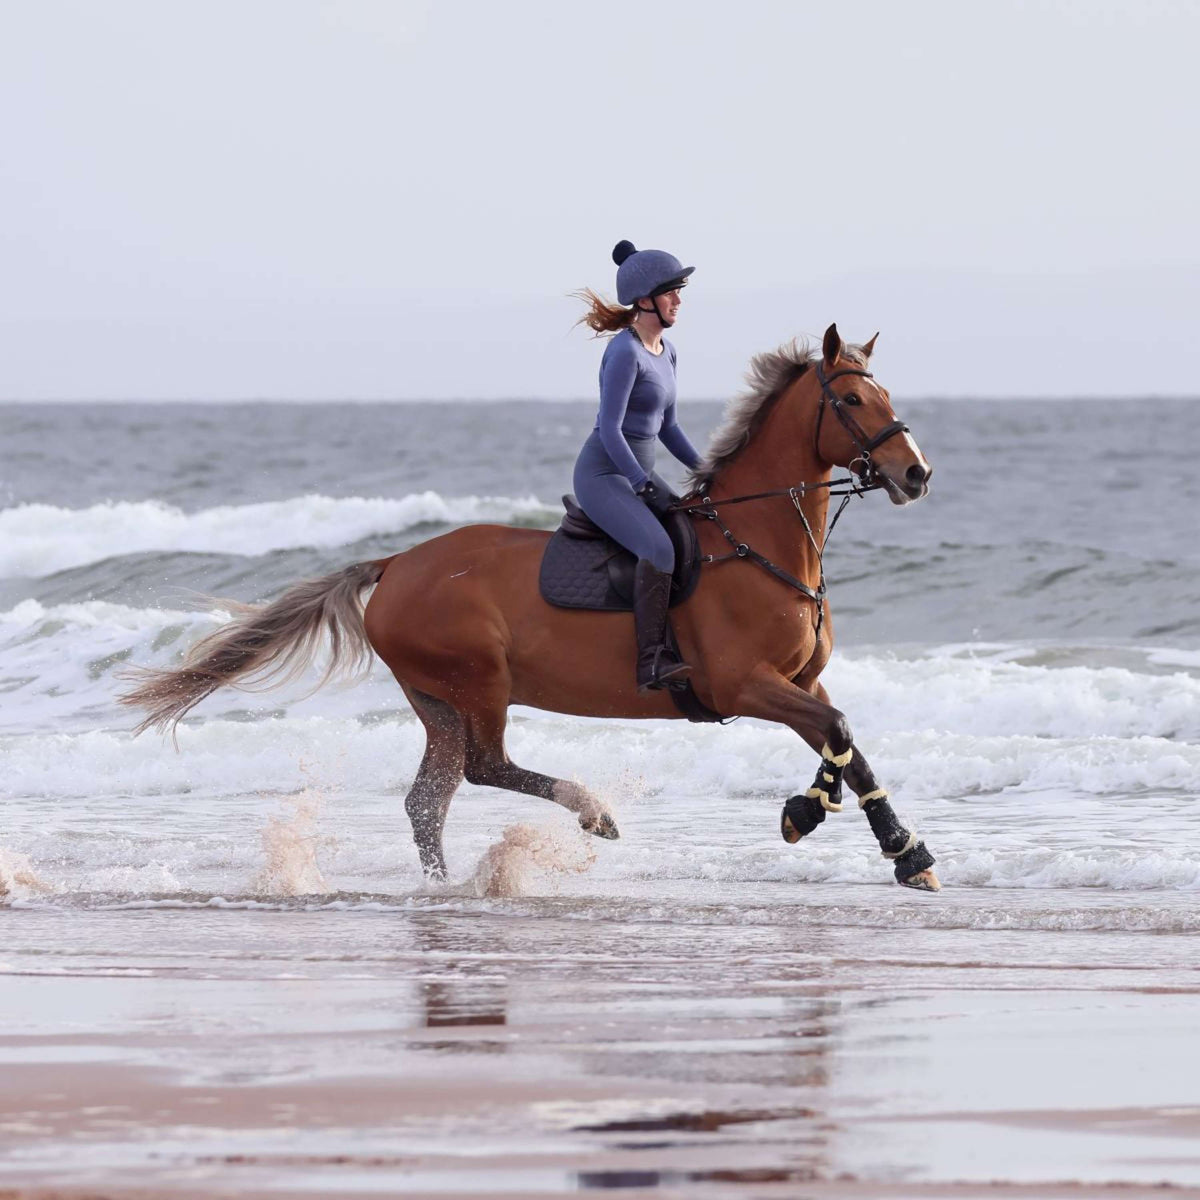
pixel 657 666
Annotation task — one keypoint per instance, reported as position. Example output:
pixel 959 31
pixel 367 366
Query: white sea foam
pixel 39 539
pixel 59 667
pixel 224 757
pixel 113 814
pixel 1021 776
pixel 986 696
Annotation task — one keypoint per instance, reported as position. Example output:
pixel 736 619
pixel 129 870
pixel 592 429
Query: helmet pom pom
pixel 622 250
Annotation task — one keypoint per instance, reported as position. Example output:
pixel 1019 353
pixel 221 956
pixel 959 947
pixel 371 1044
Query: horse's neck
pixel 778 457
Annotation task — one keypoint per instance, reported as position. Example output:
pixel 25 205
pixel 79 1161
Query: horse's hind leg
pixel 438 777
pixel 488 764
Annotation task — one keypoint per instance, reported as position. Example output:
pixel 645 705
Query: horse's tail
pixel 266 645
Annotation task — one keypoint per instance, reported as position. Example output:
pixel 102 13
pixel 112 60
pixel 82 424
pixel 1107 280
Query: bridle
pixel 863 466
pixel 863 478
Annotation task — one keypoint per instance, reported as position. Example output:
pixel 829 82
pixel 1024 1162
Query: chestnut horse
pixel 460 621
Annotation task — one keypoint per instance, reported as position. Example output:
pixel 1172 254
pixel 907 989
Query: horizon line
pixel 969 398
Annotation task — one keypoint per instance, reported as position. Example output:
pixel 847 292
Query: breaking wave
pixel 40 539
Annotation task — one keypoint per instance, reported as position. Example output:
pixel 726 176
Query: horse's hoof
pixel 923 881
pixel 435 874
pixel 602 826
pixel 800 816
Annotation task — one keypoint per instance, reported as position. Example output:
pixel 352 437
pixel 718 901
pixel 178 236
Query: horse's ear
pixel 832 347
pixel 869 347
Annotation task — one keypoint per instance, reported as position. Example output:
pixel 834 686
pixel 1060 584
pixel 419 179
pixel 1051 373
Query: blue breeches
pixel 609 499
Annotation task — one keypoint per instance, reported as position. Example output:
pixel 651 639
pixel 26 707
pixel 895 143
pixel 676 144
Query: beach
pixel 222 972
pixel 487 1048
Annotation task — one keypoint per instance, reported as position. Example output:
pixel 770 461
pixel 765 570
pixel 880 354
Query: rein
pixel 863 479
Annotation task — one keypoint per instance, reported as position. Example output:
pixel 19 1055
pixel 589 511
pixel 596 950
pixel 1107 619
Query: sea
pixel 209 949
pixel 1018 654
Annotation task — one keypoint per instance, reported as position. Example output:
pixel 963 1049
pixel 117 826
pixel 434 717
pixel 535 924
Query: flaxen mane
pixel 768 377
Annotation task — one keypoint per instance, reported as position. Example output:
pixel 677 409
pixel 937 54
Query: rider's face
pixel 667 304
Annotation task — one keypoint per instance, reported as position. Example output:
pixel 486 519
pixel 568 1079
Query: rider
pixel 615 482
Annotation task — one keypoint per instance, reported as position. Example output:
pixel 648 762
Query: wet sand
pixel 537 1049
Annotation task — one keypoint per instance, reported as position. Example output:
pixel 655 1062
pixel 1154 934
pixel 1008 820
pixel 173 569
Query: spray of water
pixel 525 859
pixel 18 880
pixel 290 842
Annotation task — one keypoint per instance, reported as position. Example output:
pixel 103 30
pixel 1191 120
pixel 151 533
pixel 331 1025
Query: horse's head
pixel 860 431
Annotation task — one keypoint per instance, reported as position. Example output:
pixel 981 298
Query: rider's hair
pixel 602 317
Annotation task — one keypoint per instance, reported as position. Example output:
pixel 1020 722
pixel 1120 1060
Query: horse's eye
pixel 852 399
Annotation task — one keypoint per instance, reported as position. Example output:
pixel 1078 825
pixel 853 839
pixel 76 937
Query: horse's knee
pixel 837 733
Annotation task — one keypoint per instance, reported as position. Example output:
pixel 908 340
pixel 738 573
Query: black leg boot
pixel 657 666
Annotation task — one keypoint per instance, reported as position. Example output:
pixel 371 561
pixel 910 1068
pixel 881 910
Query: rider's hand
pixel 657 500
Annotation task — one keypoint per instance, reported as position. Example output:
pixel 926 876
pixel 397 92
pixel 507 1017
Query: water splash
pixel 18 880
pixel 525 857
pixel 290 842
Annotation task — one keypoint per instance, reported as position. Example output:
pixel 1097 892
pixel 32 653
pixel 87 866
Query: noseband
pixel 862 465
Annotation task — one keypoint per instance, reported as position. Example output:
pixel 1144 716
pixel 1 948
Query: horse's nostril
pixel 917 474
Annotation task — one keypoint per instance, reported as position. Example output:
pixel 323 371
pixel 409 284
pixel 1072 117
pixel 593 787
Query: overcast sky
pixel 288 198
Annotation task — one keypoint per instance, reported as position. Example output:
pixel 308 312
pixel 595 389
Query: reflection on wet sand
pixel 461 996
pixel 460 1002
pixel 484 1051
pixel 698 1122
pixel 607 1180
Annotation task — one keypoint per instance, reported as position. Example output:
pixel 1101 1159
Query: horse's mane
pixel 768 377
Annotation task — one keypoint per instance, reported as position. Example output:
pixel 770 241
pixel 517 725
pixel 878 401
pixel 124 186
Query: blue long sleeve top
pixel 637 399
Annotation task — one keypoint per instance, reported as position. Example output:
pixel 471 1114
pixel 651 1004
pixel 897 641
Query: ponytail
pixel 602 317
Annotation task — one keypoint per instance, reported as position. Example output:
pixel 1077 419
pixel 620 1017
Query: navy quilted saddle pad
pixel 584 568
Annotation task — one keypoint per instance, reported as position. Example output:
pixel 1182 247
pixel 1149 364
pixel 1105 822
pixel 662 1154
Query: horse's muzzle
pixel 913 486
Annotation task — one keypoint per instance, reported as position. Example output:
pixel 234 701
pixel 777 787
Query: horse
pixel 461 624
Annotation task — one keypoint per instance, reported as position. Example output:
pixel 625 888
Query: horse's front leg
pixel 913 861
pixel 772 697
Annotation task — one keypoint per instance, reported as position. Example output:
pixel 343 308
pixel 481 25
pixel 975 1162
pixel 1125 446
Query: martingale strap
pixel 742 550
pixel 708 510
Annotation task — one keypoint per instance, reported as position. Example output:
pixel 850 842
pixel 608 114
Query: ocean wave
pixel 40 539
pixel 60 667
pixel 234 757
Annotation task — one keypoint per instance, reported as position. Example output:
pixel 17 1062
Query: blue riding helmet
pixel 646 272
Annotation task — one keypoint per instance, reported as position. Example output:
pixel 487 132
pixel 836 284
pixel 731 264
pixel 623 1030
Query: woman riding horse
pixel 615 482
pixel 460 621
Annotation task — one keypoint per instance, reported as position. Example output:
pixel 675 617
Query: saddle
pixel 584 568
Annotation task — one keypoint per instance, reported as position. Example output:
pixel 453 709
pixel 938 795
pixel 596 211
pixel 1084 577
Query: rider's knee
pixel 661 554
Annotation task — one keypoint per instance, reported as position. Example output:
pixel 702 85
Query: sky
pixel 225 199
